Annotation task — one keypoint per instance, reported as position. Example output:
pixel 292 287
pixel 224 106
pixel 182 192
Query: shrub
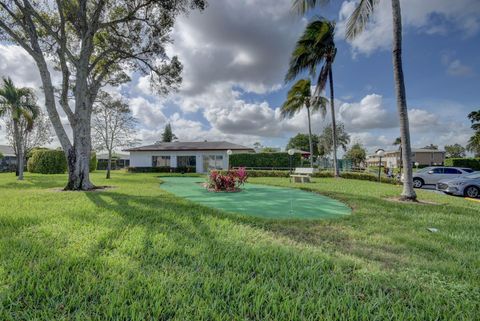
pixel 47 162
pixel 93 162
pixel 266 160
pixel 185 169
pixel 473 163
pixel 228 181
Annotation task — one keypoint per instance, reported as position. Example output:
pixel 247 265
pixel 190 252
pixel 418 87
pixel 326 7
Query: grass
pixel 138 253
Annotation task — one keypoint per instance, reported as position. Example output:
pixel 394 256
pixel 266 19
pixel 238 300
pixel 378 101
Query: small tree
pixel 357 154
pixel 113 126
pixel 20 106
pixel 41 133
pixel 326 141
pixel 474 141
pixel 302 142
pixel 455 151
pixel 168 135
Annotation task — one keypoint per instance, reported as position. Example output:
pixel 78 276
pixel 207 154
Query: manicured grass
pixel 136 252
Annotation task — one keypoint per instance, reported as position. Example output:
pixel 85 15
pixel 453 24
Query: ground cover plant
pixel 137 252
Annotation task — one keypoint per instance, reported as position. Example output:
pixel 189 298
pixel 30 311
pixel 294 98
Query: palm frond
pixel 312 49
pixel 302 6
pixel 319 103
pixel 359 18
pixel 297 97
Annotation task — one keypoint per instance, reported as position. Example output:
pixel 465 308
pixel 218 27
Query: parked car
pixel 467 185
pixel 432 175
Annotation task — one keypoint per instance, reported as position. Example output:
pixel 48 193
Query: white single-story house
pixel 204 156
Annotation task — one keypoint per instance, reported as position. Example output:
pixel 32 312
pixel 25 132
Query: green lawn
pixel 139 253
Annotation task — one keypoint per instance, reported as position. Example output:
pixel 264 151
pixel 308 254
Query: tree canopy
pixel 326 139
pixel 357 154
pixel 455 151
pixel 168 135
pixel 300 141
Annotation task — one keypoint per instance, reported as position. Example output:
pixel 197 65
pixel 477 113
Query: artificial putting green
pixel 258 200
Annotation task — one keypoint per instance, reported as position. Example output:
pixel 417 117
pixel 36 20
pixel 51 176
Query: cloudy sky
pixel 235 55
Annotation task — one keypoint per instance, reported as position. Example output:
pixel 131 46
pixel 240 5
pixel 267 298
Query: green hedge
pixel 273 160
pixel 473 163
pixel 186 169
pixel 47 162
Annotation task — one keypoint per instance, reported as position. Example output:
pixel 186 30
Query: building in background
pixel 422 156
pixel 203 156
pixel 9 161
pixel 119 161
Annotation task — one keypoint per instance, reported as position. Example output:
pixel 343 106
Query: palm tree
pixel 18 104
pixel 355 25
pixel 298 97
pixel 316 50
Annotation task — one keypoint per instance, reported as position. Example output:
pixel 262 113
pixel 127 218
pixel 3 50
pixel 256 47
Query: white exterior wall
pixel 144 159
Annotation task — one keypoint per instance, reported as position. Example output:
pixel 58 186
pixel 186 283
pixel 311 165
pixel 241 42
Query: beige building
pixel 421 155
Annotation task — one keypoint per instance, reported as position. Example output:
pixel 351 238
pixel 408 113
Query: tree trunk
pixel 19 150
pixel 109 164
pixel 78 158
pixel 310 137
pixel 334 124
pixel 408 191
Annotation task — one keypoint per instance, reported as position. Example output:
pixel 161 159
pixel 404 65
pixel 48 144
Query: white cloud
pixel 369 113
pixel 464 15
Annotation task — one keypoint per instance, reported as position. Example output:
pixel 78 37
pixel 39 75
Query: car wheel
pixel 418 182
pixel 472 191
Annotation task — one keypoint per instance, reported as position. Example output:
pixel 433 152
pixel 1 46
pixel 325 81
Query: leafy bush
pixel 93 162
pixel 473 163
pixel 47 162
pixel 166 169
pixel 228 181
pixel 266 160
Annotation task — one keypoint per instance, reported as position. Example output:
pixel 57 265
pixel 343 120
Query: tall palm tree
pixel 300 96
pixel 315 52
pixel 18 104
pixel 355 26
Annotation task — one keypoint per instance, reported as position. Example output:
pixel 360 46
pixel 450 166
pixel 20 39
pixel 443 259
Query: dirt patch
pixel 399 200
pixel 93 190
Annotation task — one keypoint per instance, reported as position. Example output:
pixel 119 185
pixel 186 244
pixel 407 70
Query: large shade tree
pixel 92 43
pixel 315 52
pixel 356 25
pixel 300 96
pixel 20 107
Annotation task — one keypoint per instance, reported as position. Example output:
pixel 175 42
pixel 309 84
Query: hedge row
pixel 263 160
pixel 473 163
pixel 166 169
pixel 47 161
pixel 321 174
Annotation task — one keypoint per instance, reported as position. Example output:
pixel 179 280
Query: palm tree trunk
pixel 334 124
pixel 310 137
pixel 408 191
pixel 19 149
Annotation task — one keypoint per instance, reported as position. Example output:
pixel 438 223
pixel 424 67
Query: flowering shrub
pixel 227 182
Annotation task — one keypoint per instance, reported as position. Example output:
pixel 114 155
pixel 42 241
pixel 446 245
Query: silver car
pixel 432 175
pixel 468 185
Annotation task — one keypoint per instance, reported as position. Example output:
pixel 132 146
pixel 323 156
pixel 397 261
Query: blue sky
pixel 235 55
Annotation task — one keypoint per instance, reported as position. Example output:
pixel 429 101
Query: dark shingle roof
pixel 179 146
pixel 7 150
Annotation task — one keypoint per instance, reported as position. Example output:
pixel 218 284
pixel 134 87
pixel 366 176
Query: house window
pixel 186 161
pixel 160 161
pixel 212 162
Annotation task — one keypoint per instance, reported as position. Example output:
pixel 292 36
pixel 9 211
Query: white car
pixel 432 175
